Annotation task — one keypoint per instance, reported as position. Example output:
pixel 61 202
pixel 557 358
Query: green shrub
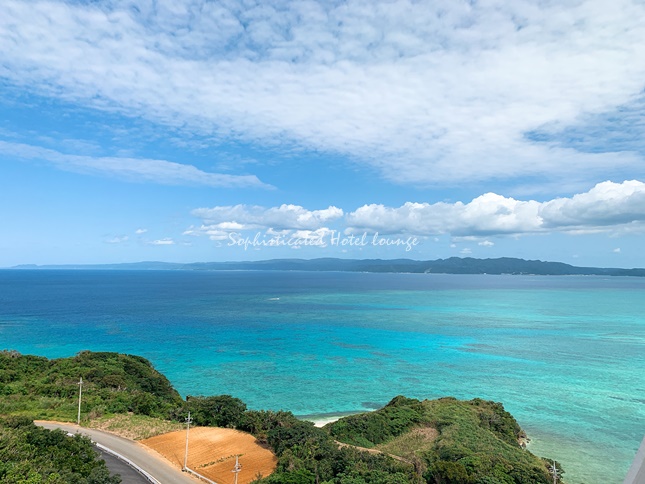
pixel 31 454
pixel 219 411
pixel 370 429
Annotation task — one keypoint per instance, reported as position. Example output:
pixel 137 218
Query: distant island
pixel 452 265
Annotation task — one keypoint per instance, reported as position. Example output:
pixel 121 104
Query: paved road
pixel 137 453
pixel 117 466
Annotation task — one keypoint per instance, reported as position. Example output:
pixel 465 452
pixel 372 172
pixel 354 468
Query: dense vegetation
pixel 219 411
pixel 370 429
pixel 33 455
pixel 408 441
pixel 308 455
pixel 112 383
pixel 452 441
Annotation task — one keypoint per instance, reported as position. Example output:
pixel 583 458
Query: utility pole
pixel 555 473
pixel 80 393
pixel 188 420
pixel 237 468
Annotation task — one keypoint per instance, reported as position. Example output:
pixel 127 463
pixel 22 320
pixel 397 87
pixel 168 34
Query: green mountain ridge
pixel 452 265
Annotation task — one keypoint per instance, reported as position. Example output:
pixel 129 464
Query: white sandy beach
pixel 321 422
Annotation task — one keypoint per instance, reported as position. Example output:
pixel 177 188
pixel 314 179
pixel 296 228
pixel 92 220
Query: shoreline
pixel 322 419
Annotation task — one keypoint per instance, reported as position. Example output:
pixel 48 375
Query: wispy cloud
pixel 166 241
pixel 134 169
pixel 425 93
pixel 117 240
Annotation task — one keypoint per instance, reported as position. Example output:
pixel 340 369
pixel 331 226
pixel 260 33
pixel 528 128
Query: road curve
pixel 137 453
pixel 117 466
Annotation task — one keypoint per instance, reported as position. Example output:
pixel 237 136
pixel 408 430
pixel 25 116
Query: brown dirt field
pixel 212 451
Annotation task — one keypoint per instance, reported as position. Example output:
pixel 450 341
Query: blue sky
pixel 173 130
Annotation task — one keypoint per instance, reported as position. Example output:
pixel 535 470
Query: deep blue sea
pixel 566 355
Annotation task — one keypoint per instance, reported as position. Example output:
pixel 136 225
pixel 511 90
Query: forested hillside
pixel 407 441
pixel 34 455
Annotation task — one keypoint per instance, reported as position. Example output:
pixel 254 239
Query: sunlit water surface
pixel 566 355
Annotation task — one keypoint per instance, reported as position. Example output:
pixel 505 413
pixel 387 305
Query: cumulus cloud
pixel 283 222
pixel 424 93
pixel 134 169
pixel 607 206
pixel 284 217
pixel 140 231
pixel 486 215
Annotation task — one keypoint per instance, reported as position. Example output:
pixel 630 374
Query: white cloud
pixel 285 221
pixel 117 240
pixel 616 250
pixel 284 217
pixel 607 204
pixel 216 232
pixel 134 169
pixel 425 93
pixel 166 241
pixel 140 231
pixel 485 215
pixel 606 207
pixel 314 238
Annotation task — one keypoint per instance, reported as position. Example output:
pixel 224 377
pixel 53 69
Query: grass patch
pixel 134 427
pixel 411 444
pixel 39 408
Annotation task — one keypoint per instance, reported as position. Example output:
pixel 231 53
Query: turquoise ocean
pixel 565 355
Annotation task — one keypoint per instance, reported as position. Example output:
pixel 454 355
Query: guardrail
pixel 197 474
pixel 129 462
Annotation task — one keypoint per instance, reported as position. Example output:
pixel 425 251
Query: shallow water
pixel 566 355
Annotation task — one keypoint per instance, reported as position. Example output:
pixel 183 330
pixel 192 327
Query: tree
pixel 219 411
